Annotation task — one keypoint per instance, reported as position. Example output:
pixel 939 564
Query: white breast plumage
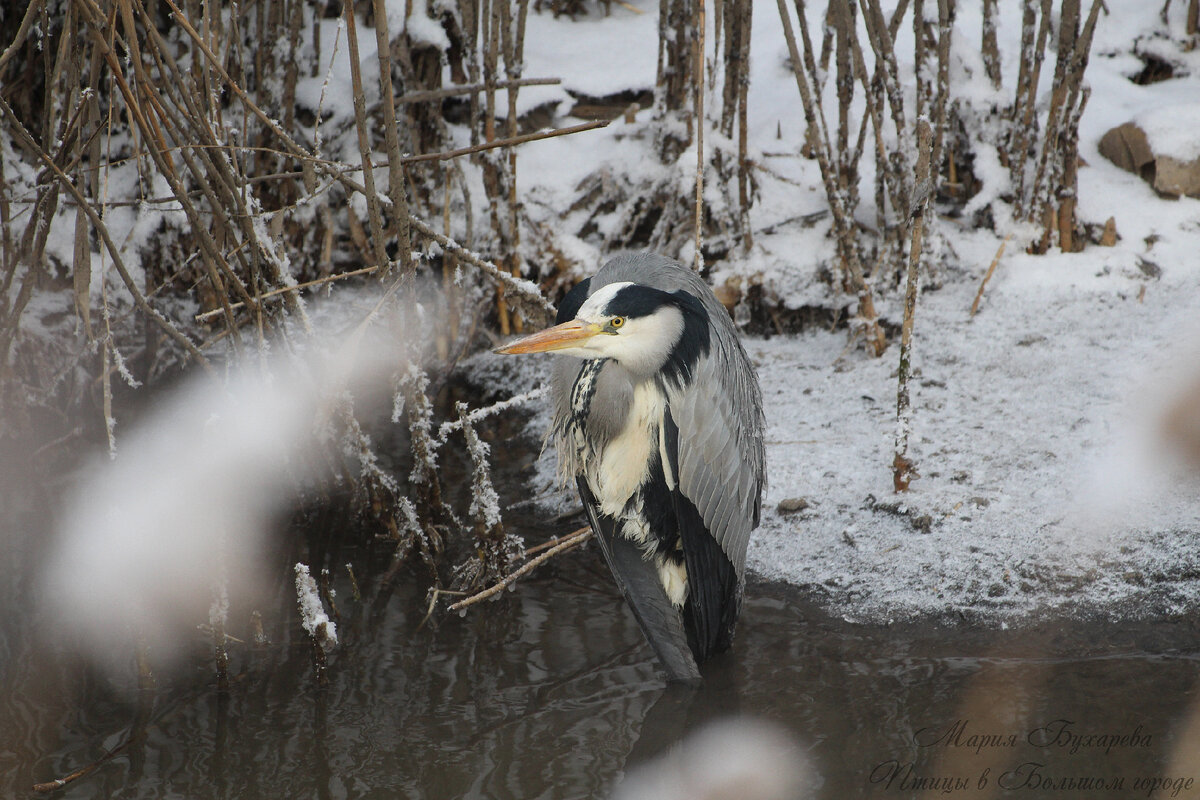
pixel 625 460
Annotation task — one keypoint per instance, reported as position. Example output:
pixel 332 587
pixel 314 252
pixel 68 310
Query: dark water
pixel 551 693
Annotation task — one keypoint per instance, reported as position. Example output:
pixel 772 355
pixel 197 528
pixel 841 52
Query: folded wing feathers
pixel 717 467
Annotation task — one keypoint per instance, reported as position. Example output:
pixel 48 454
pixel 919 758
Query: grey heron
pixel 661 425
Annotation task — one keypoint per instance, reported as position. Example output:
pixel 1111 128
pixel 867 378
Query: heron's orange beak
pixel 560 337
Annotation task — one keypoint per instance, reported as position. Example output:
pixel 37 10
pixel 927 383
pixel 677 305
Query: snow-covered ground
pixel 1035 421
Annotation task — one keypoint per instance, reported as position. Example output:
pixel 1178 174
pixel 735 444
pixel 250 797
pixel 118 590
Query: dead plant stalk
pixel 574 540
pixel 903 468
pixel 988 276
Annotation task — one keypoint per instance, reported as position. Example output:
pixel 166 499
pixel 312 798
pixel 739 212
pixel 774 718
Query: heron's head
pixel 643 329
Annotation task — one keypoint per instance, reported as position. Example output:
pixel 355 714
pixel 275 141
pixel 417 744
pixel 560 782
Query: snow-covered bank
pixel 1033 429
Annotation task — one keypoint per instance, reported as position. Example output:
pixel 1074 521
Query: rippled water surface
pixel 552 693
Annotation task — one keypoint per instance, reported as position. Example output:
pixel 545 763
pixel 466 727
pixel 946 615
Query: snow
pixel 1014 413
pixel 1171 130
pixel 313 618
pixel 1043 475
pixel 421 25
pixel 595 55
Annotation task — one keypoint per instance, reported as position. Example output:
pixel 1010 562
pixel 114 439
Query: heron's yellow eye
pixel 616 322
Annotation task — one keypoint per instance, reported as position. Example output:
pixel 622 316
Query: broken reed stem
pixel 507 142
pixel 396 189
pixel 83 772
pixel 430 95
pixel 573 540
pixel 557 540
pixel 374 214
pixel 902 467
pixel 988 276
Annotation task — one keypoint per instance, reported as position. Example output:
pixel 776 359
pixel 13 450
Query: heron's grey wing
pixel 639 582
pixel 721 468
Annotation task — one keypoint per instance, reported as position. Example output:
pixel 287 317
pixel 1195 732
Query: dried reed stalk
pixel 807 78
pixel 374 212
pixel 903 469
pixel 397 191
pixel 988 275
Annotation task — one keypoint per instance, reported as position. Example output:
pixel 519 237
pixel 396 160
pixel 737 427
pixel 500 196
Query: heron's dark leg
pixel 639 581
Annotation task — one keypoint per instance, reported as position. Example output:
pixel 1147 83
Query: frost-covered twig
pixel 313 619
pixel 317 624
pixel 420 424
pixel 450 426
pixel 574 540
pixel 485 503
pixel 495 550
pixel 526 291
